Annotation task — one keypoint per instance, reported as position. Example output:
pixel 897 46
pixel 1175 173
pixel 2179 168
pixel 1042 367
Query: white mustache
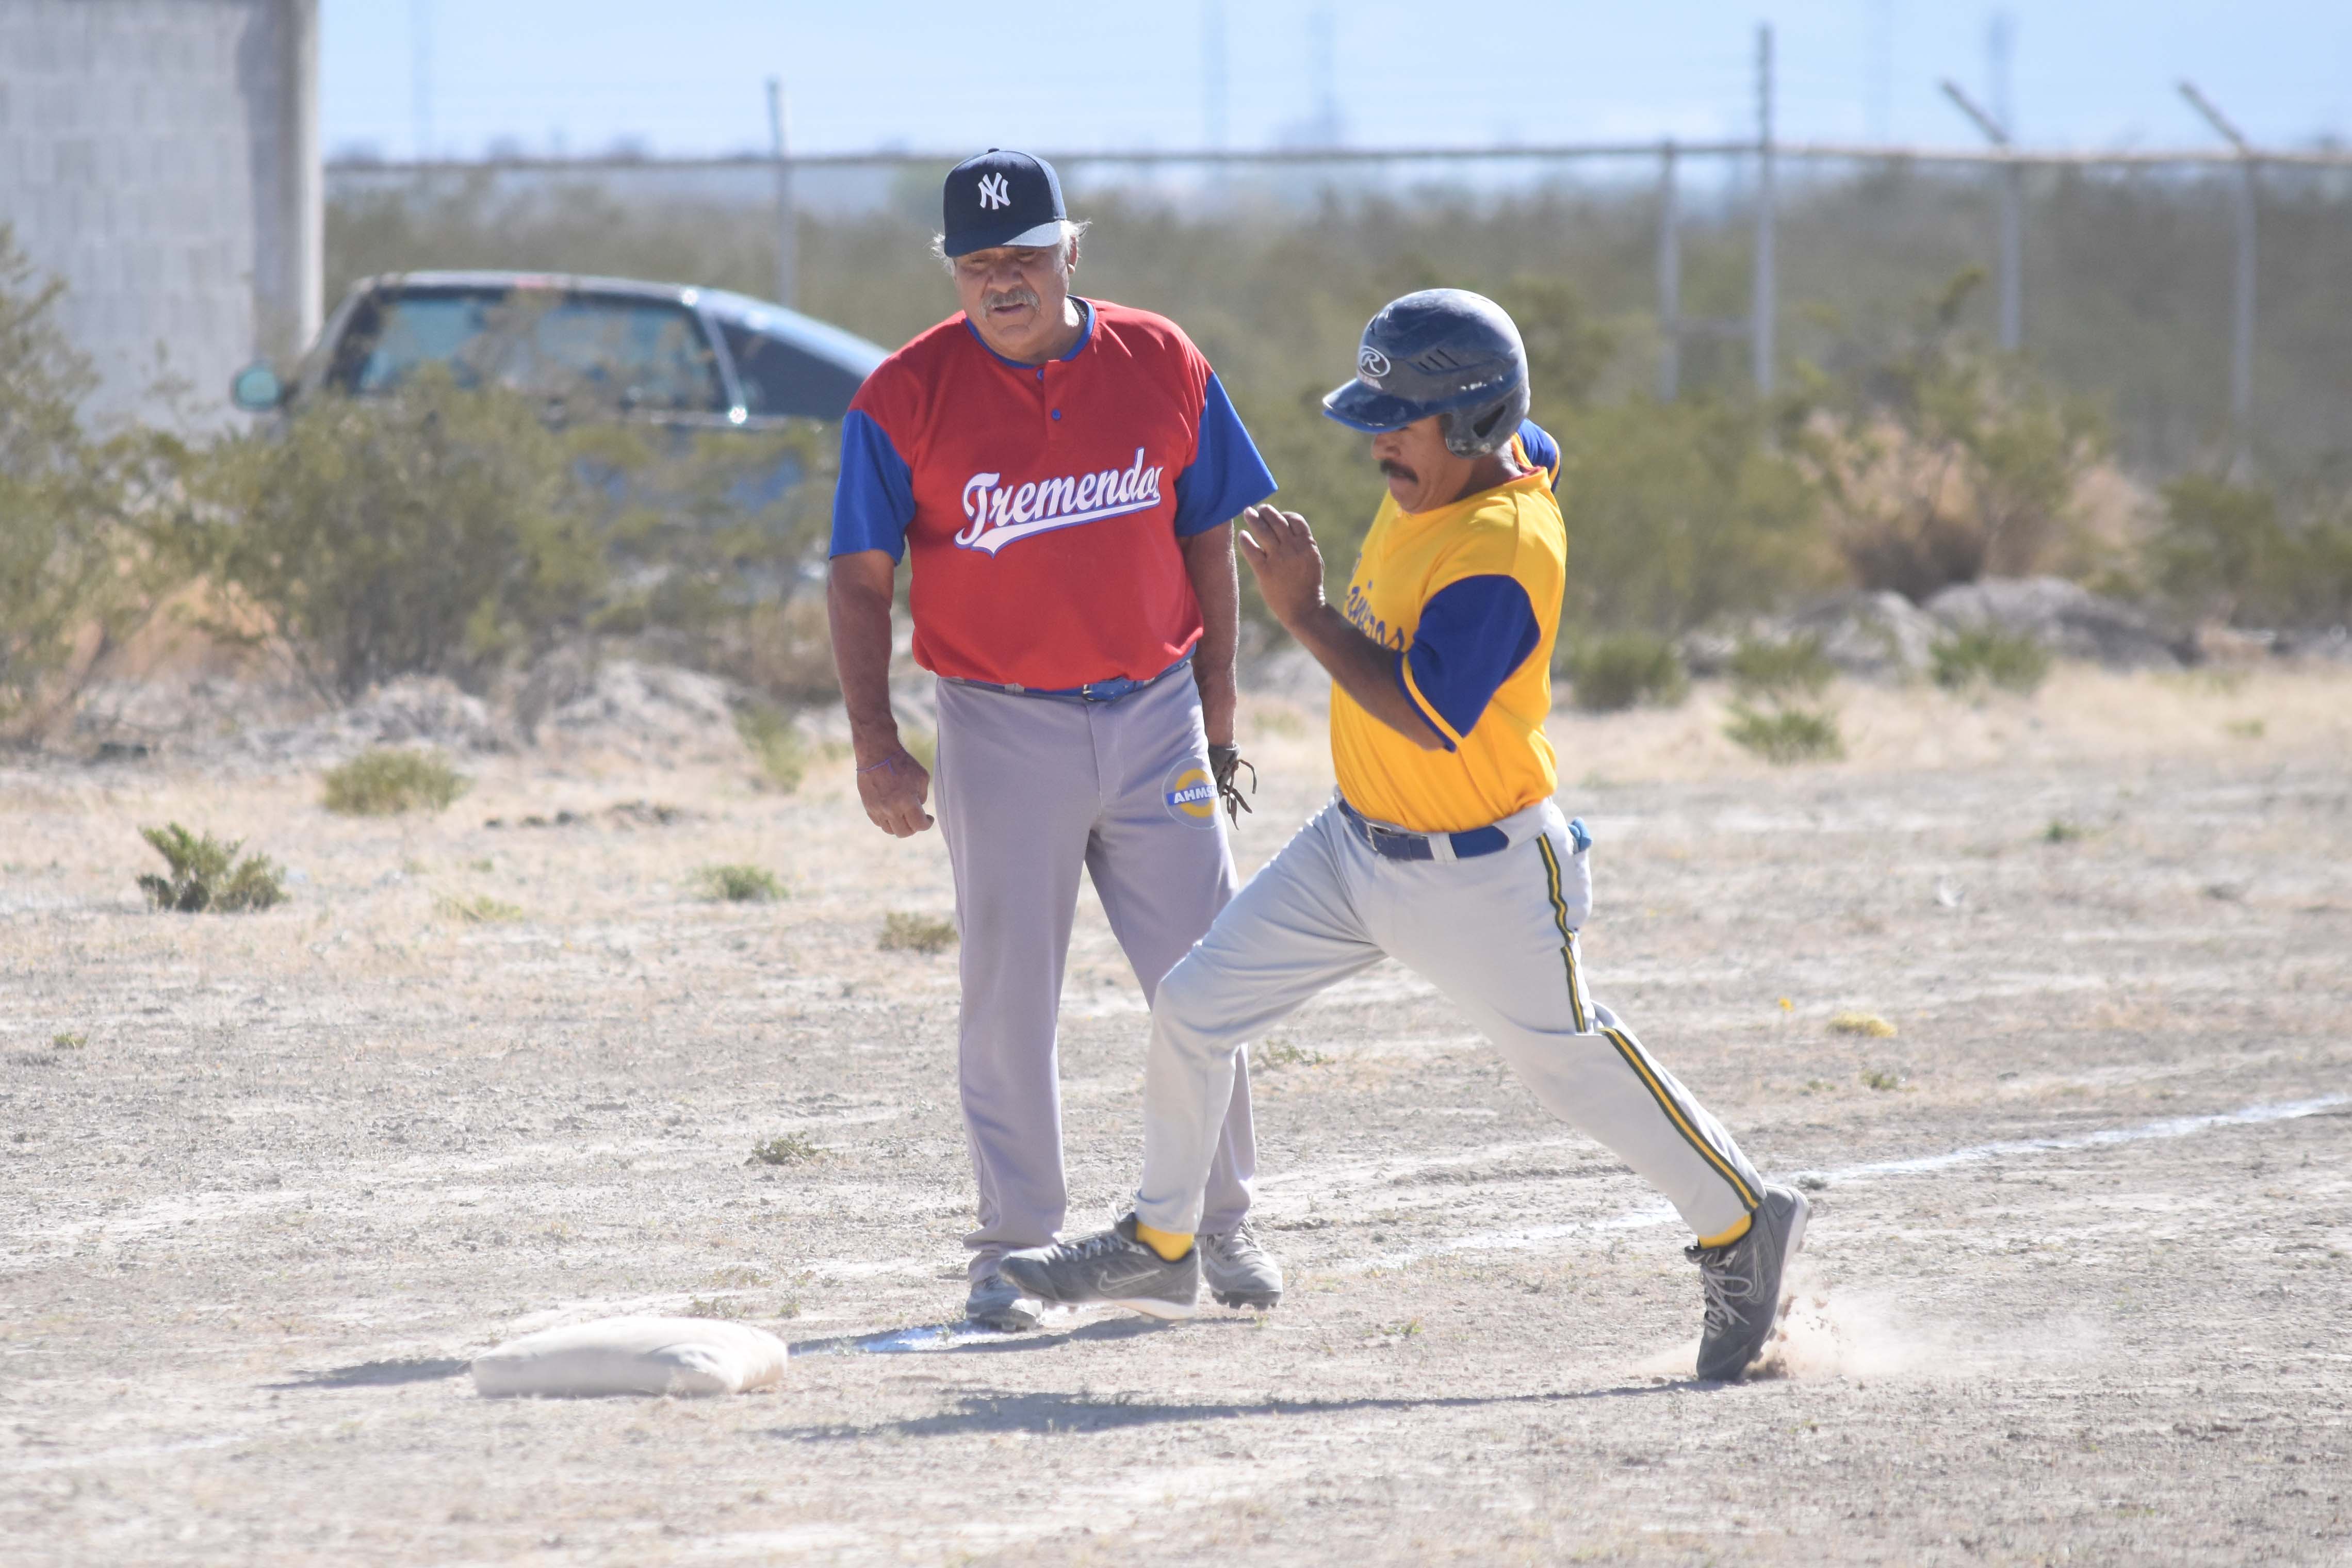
pixel 1009 297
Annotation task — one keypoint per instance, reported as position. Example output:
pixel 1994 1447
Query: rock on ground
pixel 2065 618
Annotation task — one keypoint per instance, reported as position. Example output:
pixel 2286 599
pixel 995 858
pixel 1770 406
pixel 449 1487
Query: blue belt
pixel 1395 844
pixel 1110 691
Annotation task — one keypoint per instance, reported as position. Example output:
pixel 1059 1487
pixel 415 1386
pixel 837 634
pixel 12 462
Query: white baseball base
pixel 690 1357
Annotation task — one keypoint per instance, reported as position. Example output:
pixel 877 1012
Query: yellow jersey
pixel 1469 594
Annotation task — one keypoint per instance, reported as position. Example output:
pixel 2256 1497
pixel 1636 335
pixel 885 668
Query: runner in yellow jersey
pixel 1442 848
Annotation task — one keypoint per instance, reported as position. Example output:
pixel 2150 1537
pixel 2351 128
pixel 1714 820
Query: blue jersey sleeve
pixel 874 501
pixel 1226 473
pixel 1473 634
pixel 1541 449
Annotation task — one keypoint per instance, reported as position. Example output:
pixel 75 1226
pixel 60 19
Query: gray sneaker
pixel 1109 1266
pixel 1239 1271
pixel 1742 1281
pixel 996 1302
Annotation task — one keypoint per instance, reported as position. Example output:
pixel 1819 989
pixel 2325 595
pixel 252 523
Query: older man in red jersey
pixel 1061 474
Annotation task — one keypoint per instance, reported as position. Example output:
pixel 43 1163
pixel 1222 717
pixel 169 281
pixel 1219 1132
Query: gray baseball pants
pixel 1495 933
pixel 1029 791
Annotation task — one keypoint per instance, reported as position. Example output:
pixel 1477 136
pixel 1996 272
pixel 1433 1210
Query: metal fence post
pixel 1760 309
pixel 2242 290
pixel 2012 218
pixel 788 237
pixel 1670 280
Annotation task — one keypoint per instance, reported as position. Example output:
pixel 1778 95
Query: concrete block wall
pixel 161 156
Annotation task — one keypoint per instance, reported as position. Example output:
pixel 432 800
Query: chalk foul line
pixel 956 1336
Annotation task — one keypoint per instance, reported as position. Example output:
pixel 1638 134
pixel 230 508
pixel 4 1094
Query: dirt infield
pixel 2076 1285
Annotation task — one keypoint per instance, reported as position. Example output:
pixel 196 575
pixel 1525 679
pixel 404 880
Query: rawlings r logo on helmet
pixel 1446 353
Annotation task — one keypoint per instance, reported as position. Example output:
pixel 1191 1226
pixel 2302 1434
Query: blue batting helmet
pixel 1445 351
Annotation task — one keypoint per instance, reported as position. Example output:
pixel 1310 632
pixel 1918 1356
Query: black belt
pixel 1396 844
pixel 1110 691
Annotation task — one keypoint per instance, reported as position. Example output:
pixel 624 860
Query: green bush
pixel 1986 656
pixel 1615 670
pixel 2256 557
pixel 740 884
pixel 384 782
pixel 775 742
pixel 1782 735
pixel 75 510
pixel 1680 512
pixel 436 532
pixel 207 874
pixel 1944 460
pixel 1780 669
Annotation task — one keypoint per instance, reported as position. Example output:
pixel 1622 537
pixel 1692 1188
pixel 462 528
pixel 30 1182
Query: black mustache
pixel 1391 468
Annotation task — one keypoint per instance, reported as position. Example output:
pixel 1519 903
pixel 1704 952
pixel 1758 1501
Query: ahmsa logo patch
pixel 1002 514
pixel 1192 795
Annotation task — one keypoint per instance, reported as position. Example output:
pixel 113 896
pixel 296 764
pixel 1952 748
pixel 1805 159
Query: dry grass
pixel 385 782
pixel 905 932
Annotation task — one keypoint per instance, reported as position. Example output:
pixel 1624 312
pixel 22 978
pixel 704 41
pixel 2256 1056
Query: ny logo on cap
pixel 994 192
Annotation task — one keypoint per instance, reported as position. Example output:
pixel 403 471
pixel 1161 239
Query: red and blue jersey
pixel 1040 506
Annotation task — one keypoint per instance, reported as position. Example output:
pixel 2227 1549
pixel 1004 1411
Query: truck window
pixel 632 353
pixel 783 378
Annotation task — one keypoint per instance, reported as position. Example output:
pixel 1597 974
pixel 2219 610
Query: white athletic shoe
pixel 1239 1271
pixel 996 1302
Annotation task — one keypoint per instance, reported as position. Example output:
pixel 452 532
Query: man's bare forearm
pixel 858 604
pixel 1365 671
pixel 1216 584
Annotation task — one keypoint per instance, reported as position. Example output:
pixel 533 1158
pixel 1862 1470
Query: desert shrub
pixel 1856 1023
pixel 1610 671
pixel 1946 461
pixel 1782 735
pixel 2256 556
pixel 1761 668
pixel 785 1148
pixel 481 910
pixel 385 781
pixel 1986 656
pixel 436 532
pixel 740 884
pixel 905 932
pixel 1682 511
pixel 76 511
pixel 775 744
pixel 207 874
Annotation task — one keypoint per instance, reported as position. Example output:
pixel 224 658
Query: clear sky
pixel 581 76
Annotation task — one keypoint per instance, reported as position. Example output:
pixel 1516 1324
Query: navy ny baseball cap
pixel 1001 199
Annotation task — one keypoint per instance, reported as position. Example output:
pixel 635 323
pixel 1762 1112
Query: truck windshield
pixel 630 352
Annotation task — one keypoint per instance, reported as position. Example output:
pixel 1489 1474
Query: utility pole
pixel 2242 302
pixel 1760 309
pixel 788 236
pixel 1212 75
pixel 1670 280
pixel 420 77
pixel 2012 175
pixel 1881 71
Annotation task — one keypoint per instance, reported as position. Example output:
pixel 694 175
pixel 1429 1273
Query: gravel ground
pixel 2075 1287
